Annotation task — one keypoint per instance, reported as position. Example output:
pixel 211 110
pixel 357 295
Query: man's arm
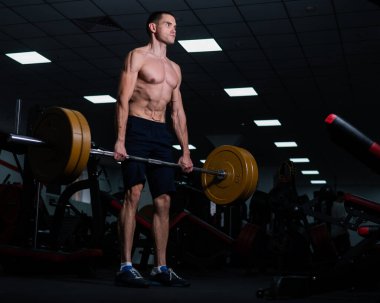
pixel 180 125
pixel 127 85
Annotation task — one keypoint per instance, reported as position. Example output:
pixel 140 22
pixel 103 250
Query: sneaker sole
pixel 156 283
pixel 131 285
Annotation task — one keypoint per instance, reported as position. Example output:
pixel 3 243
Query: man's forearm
pixel 121 121
pixel 182 136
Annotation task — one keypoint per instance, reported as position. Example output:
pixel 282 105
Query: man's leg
pixel 161 273
pixel 127 221
pixel 129 276
pixel 161 227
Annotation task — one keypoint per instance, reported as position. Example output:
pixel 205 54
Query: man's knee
pixel 133 194
pixel 162 203
pixel 163 199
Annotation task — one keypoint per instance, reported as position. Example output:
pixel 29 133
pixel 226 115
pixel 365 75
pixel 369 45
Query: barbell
pixel 60 148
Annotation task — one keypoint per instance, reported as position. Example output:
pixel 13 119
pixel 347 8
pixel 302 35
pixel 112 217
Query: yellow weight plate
pixel 76 147
pixel 85 146
pixel 247 188
pixel 254 174
pixel 232 160
pixel 54 163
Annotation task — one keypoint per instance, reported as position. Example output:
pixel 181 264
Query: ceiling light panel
pixel 272 122
pixel 285 144
pixel 240 91
pixel 318 181
pixel 100 99
pixel 28 58
pixel 200 45
pixel 310 172
pixel 300 160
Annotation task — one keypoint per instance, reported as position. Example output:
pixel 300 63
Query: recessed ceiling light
pixel 28 57
pixel 286 144
pixel 240 91
pixel 273 122
pixel 200 45
pixel 318 181
pixel 179 147
pixel 300 160
pixel 100 99
pixel 310 172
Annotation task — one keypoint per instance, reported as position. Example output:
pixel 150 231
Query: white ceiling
pixel 305 58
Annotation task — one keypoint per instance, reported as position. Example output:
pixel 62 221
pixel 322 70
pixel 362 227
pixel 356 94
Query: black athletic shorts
pixel 148 139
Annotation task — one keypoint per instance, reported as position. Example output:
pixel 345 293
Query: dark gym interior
pixel 314 65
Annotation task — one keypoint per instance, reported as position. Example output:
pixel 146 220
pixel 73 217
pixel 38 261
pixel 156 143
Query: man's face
pixel 166 29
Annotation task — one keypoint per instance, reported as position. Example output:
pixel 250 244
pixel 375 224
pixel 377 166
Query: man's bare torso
pixel 156 81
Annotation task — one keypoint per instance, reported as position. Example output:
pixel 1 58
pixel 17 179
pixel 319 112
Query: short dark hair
pixel 155 17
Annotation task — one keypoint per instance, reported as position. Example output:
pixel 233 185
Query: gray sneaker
pixel 130 278
pixel 168 278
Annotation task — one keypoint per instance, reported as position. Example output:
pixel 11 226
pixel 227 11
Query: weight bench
pixel 361 208
pixel 363 217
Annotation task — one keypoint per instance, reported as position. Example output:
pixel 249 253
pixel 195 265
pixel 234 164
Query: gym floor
pixel 218 285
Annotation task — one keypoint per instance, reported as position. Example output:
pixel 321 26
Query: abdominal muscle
pixel 149 101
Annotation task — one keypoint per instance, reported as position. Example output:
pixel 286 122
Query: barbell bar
pixel 21 139
pixel 219 173
pixel 60 147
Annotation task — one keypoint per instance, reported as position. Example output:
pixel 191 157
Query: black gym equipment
pixel 31 239
pixel 358 266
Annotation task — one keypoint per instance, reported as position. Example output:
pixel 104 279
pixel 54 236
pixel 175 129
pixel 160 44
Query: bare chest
pixel 158 71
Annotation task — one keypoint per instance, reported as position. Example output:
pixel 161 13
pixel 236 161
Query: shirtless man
pixel 149 83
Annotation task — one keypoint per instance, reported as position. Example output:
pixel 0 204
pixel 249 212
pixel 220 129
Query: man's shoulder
pixel 175 65
pixel 139 51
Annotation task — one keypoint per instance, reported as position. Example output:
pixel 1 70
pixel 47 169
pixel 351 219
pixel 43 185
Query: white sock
pixel 125 264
